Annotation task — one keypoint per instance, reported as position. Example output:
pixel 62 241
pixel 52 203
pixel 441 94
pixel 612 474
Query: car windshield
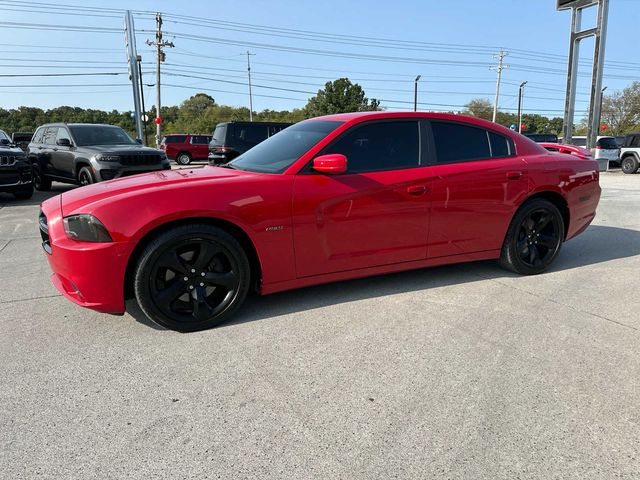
pixel 4 136
pixel 85 135
pixel 280 151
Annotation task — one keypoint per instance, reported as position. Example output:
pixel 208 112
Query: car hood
pixel 7 150
pixel 85 199
pixel 118 149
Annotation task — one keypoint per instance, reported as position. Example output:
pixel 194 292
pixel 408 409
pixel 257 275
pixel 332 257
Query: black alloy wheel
pixel 85 177
pixel 192 277
pixel 534 238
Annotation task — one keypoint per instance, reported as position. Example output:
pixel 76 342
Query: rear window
pixel 219 134
pixel 608 142
pixel 250 134
pixel 542 137
pixel 174 139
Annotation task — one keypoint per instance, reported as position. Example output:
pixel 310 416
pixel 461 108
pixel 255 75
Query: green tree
pixel 340 96
pixel 480 108
pixel 621 110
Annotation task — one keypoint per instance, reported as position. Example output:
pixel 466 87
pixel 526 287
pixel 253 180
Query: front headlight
pixel 107 158
pixel 86 228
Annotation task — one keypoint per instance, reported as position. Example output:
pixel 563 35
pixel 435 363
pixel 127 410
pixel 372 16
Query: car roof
pixel 63 124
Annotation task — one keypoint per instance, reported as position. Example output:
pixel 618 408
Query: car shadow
pixel 8 200
pixel 598 244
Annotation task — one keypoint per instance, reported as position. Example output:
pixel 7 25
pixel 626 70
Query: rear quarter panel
pixel 577 180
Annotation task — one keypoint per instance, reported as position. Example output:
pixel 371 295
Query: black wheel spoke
pixel 549 241
pixel 228 280
pixel 166 297
pixel 533 254
pixel 521 246
pixel 205 255
pixel 173 262
pixel 201 309
pixel 543 222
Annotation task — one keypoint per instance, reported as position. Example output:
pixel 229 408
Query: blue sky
pixel 450 43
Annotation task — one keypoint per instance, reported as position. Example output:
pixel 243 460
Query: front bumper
pixel 14 178
pixel 89 274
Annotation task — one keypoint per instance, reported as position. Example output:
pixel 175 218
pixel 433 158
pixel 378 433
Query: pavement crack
pixel 5 245
pixel 551 300
pixel 28 299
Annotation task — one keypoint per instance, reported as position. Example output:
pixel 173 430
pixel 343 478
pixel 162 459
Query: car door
pixel 374 214
pixel 478 183
pixel 62 156
pixel 44 151
pixel 199 147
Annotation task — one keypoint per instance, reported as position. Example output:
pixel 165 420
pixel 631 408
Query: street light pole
pixel 600 119
pixel 415 94
pixel 520 94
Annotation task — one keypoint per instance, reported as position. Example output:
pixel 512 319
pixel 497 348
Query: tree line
pixel 200 113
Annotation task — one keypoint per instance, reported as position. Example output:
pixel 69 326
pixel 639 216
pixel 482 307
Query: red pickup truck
pixel 183 148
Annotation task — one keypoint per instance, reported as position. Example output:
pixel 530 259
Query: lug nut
pixel 186 279
pixel 190 287
pixel 201 284
pixel 202 274
pixel 193 270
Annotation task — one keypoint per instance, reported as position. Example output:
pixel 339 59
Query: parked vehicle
pixel 22 139
pixel 327 199
pixel 231 139
pixel 542 137
pixel 183 148
pixel 579 152
pixel 630 153
pixel 85 153
pixel 15 171
pixel 607 149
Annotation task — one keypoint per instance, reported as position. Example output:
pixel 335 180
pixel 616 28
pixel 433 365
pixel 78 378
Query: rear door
pixel 199 146
pixel 478 182
pixel 374 214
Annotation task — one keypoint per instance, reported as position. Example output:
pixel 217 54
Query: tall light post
pixel 601 97
pixel 415 94
pixel 520 94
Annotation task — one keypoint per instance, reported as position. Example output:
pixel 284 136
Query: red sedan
pixel 327 199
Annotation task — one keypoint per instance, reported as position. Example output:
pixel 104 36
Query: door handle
pixel 416 190
pixel 514 175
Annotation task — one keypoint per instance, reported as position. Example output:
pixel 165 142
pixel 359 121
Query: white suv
pixel 607 149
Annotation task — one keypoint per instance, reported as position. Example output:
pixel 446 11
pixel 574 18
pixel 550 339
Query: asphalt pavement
pixel 457 372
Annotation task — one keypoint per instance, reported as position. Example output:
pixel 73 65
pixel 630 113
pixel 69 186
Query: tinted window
pixel 542 137
pixel 455 142
pixel 607 142
pixel 100 135
pixel 279 152
pixel 581 142
pixel 62 133
pixel 37 138
pixel 499 145
pixel 219 133
pixel 250 134
pixel 174 139
pixel 379 146
pixel 273 129
pixel 199 139
pixel 4 136
pixel 50 136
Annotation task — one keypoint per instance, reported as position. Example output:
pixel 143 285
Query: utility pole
pixel 520 94
pixel 144 112
pixel 499 68
pixel 415 94
pixel 159 44
pixel 250 96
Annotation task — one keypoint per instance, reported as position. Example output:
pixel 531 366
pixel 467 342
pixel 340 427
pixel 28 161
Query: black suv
pixel 230 139
pixel 85 153
pixel 15 171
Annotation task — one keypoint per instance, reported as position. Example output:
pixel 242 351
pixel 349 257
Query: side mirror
pixel 139 140
pixel 331 164
pixel 64 142
pixel 4 141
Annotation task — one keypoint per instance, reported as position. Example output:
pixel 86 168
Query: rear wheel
pixel 534 238
pixel 629 164
pixel 183 158
pixel 85 176
pixel 192 277
pixel 40 182
pixel 24 194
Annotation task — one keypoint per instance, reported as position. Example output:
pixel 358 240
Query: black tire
pixel 25 193
pixel 629 164
pixel 217 275
pixel 85 176
pixel 183 158
pixel 533 239
pixel 40 181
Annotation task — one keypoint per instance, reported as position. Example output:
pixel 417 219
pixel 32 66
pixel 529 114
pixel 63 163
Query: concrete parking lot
pixel 465 372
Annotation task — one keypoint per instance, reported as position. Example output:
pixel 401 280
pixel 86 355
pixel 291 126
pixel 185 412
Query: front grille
pixel 136 160
pixel 7 161
pixel 44 232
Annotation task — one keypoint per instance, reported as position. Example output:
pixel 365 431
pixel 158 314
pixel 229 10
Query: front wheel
pixel 183 159
pixel 85 176
pixel 629 164
pixel 533 239
pixel 192 277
